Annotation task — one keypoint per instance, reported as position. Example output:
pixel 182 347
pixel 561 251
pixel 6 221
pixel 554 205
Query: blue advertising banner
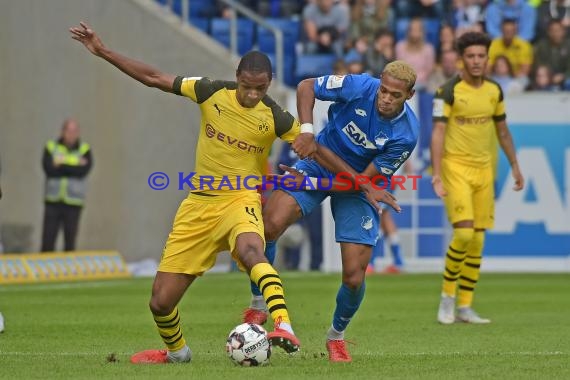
pixel 536 220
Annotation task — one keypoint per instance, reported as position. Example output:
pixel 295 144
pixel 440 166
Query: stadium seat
pixel 313 65
pixel 288 68
pixel 201 23
pixel 202 8
pixel 177 7
pixel 220 29
pixel 291 32
pixel 197 8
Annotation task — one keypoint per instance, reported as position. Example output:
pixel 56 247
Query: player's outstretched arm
pixel 506 141
pixel 142 72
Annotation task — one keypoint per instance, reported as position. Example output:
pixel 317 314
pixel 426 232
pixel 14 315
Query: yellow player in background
pixel 468 112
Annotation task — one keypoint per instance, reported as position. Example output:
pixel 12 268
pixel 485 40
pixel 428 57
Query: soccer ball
pixel 248 346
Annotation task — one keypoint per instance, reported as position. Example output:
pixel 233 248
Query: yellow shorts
pixel 207 225
pixel 470 193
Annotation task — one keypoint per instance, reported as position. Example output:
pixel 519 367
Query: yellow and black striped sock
pixel 169 330
pixel 470 271
pixel 269 282
pixel 454 259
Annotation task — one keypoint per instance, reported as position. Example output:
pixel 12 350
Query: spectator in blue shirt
pixel 518 10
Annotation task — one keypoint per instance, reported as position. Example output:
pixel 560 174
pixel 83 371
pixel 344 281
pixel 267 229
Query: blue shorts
pixel 356 221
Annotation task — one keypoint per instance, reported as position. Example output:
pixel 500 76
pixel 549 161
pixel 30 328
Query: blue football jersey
pixel 356 132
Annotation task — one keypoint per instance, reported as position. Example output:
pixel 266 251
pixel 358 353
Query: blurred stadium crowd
pixel 530 49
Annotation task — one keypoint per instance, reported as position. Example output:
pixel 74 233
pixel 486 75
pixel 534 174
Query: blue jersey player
pixel 374 131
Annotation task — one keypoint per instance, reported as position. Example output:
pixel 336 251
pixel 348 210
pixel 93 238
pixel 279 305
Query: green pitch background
pixel 88 330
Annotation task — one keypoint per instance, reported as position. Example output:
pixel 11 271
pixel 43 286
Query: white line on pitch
pixel 457 353
pixel 386 354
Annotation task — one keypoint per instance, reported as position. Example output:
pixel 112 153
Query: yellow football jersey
pixel 234 141
pixel 470 113
pixel 518 53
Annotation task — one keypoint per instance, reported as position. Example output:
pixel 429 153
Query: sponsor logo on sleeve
pixel 335 81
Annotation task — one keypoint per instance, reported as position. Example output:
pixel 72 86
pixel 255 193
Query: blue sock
pixel 347 303
pixel 395 248
pixel 270 252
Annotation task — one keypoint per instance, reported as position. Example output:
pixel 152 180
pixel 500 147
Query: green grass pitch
pixel 88 330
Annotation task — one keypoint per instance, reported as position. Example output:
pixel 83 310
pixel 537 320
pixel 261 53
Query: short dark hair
pixel 471 39
pixel 255 62
pixel 508 20
pixel 383 32
pixel 554 21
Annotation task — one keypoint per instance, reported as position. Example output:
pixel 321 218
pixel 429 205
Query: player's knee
pixel 462 237
pixel 353 279
pixel 478 242
pixel 251 254
pixel 273 226
pixel 159 306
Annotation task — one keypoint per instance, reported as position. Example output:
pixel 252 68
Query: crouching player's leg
pixel 356 229
pixel 167 290
pixel 280 211
pixel 283 208
pixel 249 249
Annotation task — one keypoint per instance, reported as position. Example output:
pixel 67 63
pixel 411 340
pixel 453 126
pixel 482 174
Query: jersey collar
pixel 395 119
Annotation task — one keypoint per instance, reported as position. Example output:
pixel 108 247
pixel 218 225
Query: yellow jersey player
pixel 467 111
pixel 223 210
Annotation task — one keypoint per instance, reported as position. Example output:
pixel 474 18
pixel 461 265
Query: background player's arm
pixel 147 75
pixel 436 152
pixel 506 141
pixel 441 111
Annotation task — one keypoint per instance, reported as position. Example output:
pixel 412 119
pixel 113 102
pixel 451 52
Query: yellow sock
pixel 454 259
pixel 169 330
pixel 470 271
pixel 268 281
